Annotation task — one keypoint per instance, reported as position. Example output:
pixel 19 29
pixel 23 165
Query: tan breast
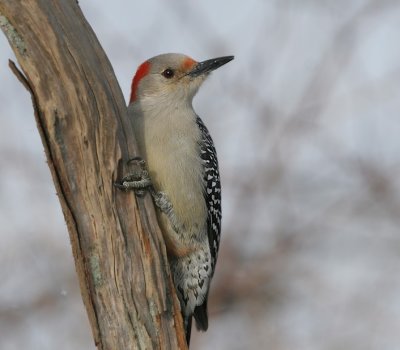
pixel 169 143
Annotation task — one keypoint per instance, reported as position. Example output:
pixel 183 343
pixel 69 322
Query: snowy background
pixel 307 126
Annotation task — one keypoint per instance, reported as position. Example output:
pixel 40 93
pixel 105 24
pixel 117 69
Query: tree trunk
pixel 118 249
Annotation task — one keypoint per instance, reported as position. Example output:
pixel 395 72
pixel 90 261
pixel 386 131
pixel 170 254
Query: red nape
pixel 141 72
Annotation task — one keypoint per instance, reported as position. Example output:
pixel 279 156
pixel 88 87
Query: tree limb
pixel 118 248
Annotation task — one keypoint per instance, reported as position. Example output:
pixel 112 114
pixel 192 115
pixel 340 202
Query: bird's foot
pixel 139 180
pixel 163 203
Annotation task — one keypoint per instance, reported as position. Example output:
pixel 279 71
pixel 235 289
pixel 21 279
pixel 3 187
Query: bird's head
pixel 172 76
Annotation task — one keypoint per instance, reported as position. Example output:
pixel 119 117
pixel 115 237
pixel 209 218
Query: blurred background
pixel 306 123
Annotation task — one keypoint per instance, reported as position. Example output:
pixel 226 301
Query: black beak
pixel 209 65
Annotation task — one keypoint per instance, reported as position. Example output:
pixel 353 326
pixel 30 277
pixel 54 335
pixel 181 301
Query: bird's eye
pixel 168 73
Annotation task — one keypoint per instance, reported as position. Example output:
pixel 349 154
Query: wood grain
pixel 81 116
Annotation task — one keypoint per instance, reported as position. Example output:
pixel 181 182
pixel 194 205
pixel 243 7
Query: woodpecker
pixel 182 172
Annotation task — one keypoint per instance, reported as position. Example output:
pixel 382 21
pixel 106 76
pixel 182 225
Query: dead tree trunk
pixel 82 119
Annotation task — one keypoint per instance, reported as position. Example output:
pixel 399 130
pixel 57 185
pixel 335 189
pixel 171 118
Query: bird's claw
pixel 138 161
pixel 139 180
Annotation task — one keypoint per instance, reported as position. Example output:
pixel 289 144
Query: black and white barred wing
pixel 212 190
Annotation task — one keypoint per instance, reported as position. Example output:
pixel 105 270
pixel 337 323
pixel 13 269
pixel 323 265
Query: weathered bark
pixel 82 119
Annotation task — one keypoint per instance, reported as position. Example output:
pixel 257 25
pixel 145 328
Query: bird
pixel 180 166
